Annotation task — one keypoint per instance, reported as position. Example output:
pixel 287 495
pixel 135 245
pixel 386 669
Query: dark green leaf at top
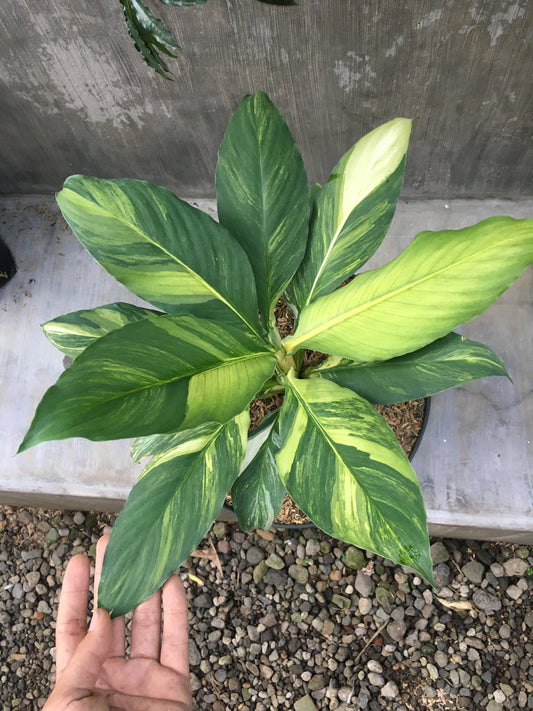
pixel 263 195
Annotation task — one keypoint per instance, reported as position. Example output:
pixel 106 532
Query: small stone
pixel 43 606
pixel 396 630
pixel 354 558
pixel 340 601
pixel 299 573
pixel 363 700
pixel 79 518
pixel 316 682
pixel 223 546
pixel 364 584
pixel 376 679
pixel 474 571
pixel 312 547
pixel 365 605
pixel 389 691
pixel 255 555
pixel 269 620
pixel 194 654
pixel 276 578
pixel 513 592
pixel 304 704
pixel 504 631
pixel 345 694
pixel 260 571
pixel 441 575
pixel 374 666
pixel 499 696
pixel 439 553
pixel 219 529
pixel 494 706
pixel 485 601
pixel 266 672
pixel 33 578
pixel 515 567
pixel 441 659
pixel 497 570
pixel 274 561
pixel 225 660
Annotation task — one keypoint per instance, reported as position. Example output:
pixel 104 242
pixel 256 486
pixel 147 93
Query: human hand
pixel 92 672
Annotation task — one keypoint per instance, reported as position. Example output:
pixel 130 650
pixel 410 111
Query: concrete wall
pixel 75 96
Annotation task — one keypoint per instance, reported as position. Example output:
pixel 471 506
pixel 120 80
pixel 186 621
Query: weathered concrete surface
pixel 75 96
pixel 475 462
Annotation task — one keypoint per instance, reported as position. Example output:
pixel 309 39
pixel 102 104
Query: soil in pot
pixel 405 419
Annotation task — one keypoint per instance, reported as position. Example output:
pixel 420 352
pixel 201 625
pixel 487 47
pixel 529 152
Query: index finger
pixel 175 640
pixel 71 625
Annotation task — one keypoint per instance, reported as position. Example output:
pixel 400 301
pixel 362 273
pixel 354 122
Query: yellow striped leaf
pixel 442 280
pixel 352 212
pixel 72 333
pixel 447 363
pixel 342 465
pixel 167 252
pixel 149 377
pixel 169 511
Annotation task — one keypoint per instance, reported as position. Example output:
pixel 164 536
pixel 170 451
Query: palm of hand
pixel 156 675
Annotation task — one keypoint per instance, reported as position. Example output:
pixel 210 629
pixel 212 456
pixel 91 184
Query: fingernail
pixel 94 620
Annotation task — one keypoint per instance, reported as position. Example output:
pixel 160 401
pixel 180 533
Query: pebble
pixel 269 636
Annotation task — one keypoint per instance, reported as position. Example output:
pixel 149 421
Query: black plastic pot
pixel 227 513
pixel 8 268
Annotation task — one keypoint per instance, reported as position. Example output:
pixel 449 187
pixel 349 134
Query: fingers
pixel 175 642
pixel 79 677
pixel 118 646
pixel 146 629
pixel 71 626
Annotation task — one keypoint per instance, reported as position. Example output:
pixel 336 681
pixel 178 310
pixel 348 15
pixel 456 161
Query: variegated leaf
pixel 442 280
pixel 167 252
pixel 169 511
pixel 258 492
pixel 353 211
pixel 447 363
pixel 344 468
pixel 263 195
pixel 153 377
pixel 72 333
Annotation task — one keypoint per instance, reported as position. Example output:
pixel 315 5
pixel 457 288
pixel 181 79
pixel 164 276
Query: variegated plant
pixel 181 381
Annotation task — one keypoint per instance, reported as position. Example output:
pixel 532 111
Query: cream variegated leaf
pixel 344 468
pixel 441 280
pixel 151 377
pixel 352 212
pixel 169 511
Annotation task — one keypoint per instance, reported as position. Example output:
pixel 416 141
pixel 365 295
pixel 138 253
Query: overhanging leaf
pixel 72 333
pixel 153 377
pixel 447 363
pixel 258 492
pixel 353 211
pixel 167 252
pixel 441 280
pixel 263 195
pixel 344 468
pixel 149 35
pixel 169 511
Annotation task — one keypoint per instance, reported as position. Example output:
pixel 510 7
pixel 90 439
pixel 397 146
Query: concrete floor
pixel 475 462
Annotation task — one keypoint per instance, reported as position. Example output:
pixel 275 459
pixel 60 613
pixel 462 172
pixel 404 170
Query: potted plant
pixel 180 378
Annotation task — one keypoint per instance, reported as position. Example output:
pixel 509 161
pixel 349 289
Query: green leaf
pixel 258 492
pixel 149 35
pixel 263 195
pixel 441 280
pixel 153 377
pixel 353 211
pixel 169 511
pixel 447 363
pixel 72 333
pixel 342 465
pixel 164 250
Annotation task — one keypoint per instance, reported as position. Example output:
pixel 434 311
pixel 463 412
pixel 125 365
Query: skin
pixel 92 671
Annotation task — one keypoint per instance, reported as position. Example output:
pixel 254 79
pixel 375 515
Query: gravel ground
pixel 297 620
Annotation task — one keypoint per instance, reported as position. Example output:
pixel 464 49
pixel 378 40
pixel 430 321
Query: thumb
pixel 85 664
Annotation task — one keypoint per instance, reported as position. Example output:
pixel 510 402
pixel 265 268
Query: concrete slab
pixel 474 463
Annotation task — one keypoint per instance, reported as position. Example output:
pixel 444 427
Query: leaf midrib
pixel 325 325
pixel 198 278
